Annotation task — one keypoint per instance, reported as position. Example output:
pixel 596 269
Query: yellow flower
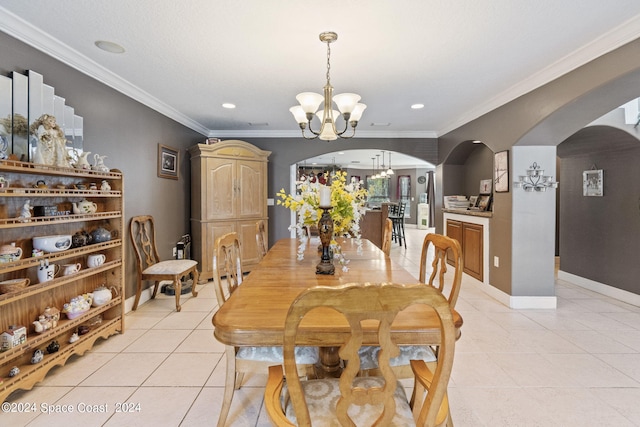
pixel 347 202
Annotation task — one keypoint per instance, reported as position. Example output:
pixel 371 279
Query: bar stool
pixel 398 225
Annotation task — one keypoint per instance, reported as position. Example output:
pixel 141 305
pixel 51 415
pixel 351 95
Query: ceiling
pixel 460 59
pixel 366 159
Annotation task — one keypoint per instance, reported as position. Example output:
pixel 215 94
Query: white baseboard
pixel 515 302
pixel 601 288
pixel 144 297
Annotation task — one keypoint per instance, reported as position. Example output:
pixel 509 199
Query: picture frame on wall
pixel 501 171
pixel 485 186
pixel 168 161
pixel 593 183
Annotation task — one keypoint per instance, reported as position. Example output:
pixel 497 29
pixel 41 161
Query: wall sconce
pixel 535 180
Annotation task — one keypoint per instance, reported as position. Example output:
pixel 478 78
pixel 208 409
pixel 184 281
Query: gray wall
pixel 288 151
pixel 128 133
pixel 599 236
pixel 544 117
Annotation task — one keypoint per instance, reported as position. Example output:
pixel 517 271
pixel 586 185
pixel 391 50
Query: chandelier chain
pixel 328 61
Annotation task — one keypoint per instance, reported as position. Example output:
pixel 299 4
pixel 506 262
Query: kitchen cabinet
pixel 470 236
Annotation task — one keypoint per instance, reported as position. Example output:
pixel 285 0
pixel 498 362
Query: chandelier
pixel 347 104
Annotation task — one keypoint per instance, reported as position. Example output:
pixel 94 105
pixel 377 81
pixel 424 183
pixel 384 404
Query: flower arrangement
pixel 347 202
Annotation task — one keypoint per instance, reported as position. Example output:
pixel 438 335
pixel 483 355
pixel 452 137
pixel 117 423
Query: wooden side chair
pixel 443 249
pixel 227 277
pixel 354 400
pixel 386 236
pixel 143 237
pixel 261 239
pixel 436 246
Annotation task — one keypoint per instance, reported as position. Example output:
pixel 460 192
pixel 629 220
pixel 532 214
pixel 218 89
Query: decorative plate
pixel 422 179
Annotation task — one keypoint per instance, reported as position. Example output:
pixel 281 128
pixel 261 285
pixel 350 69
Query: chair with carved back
pixel 227 277
pixel 143 237
pixel 352 399
pixel 444 250
pixel 261 239
pixel 386 236
pixel 435 248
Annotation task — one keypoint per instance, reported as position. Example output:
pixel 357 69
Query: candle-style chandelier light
pixel 535 180
pixel 347 104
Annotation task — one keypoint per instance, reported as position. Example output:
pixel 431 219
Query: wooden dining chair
pixel 444 250
pixel 354 400
pixel 227 277
pixel 436 249
pixel 386 237
pixel 143 237
pixel 261 239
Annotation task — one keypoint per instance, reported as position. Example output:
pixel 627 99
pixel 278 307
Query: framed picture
pixel 485 186
pixel 473 201
pixel 592 182
pixel 501 171
pixel 168 161
pixel 484 201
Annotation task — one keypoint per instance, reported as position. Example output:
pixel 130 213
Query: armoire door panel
pixel 251 186
pixel 213 231
pixel 247 234
pixel 220 189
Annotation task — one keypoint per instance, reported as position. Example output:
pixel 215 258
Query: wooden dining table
pixel 254 315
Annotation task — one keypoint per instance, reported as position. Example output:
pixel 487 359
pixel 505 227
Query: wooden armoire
pixel 228 193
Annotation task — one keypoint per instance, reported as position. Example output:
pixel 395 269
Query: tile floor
pixel 578 365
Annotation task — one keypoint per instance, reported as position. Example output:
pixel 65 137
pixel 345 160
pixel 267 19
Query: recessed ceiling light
pixel 477 141
pixel 258 124
pixel 340 152
pixel 109 46
pixel 228 105
pixel 380 124
pixel 417 106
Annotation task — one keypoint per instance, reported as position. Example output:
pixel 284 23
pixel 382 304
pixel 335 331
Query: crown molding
pixel 36 38
pixel 296 134
pixel 613 39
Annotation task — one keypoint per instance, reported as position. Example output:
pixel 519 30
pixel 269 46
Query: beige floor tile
pixel 205 409
pixel 587 370
pixel 479 370
pixel 158 341
pixel 595 342
pixel 26 405
pixel 624 400
pixel 126 369
pixel 504 407
pixel 117 343
pixel 200 341
pixel 577 407
pixel 77 369
pixel 181 320
pixel 628 364
pixel 143 320
pixel 206 323
pixel 89 406
pixel 183 370
pixel 199 304
pixel 156 406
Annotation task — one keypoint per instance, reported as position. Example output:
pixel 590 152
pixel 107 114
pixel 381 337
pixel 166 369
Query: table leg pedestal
pixel 330 363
